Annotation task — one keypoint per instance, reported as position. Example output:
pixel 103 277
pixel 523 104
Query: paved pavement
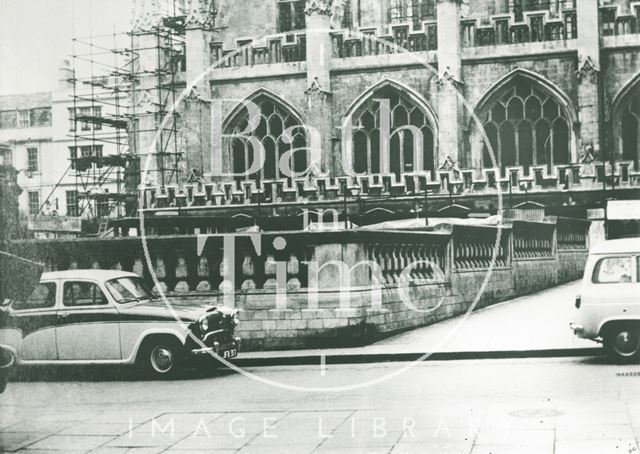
pixel 540 406
pixel 534 324
pixel 537 406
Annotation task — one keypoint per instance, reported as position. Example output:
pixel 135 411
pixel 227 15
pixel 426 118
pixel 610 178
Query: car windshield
pixel 129 289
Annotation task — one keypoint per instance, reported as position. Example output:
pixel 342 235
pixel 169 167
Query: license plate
pixel 230 353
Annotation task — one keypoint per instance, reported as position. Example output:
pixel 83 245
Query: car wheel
pixel 622 343
pixel 161 358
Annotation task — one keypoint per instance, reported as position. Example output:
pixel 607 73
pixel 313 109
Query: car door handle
pixel 63 314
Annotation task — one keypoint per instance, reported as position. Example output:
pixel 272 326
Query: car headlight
pixel 236 318
pixel 204 323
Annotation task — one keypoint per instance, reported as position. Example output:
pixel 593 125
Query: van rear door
pixel 613 290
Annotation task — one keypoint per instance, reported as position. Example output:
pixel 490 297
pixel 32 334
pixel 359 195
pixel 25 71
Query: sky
pixel 36 35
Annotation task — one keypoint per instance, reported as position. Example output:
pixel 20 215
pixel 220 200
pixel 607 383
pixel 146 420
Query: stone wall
pixel 571 265
pixel 531 275
pixel 391 281
pixel 467 287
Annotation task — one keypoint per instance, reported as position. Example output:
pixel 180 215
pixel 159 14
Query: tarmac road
pixel 566 405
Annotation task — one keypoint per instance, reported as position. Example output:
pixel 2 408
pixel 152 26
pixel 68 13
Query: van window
pixel 613 270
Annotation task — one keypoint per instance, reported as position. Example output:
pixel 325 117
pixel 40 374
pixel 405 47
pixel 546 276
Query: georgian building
pixel 26 129
pixel 54 155
pixel 553 86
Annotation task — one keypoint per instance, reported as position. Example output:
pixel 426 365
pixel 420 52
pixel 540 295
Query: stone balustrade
pixel 338 288
pixel 182 266
pixel 421 262
pixel 572 234
pixel 473 247
pixel 200 264
pixel 534 240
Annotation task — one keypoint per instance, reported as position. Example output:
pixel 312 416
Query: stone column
pixel 144 96
pixel 588 78
pixel 197 105
pixel 449 80
pixel 318 22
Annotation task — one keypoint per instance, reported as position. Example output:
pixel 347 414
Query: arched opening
pixel 391 131
pixel 526 125
pixel 276 131
pixel 626 122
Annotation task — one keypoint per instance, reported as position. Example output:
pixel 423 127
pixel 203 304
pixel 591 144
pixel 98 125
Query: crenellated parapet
pixel 291 47
pixel 522 25
pixel 396 38
pixel 280 48
pixel 373 189
pixel 615 19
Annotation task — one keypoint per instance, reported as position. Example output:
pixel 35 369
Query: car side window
pixel 42 297
pixel 80 294
pixel 613 270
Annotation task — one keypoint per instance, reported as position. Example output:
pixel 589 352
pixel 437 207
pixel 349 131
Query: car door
pixel 32 324
pixel 87 327
pixel 614 287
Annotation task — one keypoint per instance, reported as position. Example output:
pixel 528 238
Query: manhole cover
pixel 536 413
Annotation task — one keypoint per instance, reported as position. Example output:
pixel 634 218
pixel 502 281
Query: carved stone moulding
pixel 588 71
pixel 320 7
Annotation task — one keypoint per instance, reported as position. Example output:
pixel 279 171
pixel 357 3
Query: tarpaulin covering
pixel 18 276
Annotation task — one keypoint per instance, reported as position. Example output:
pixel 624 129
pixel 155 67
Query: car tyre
pixel 622 343
pixel 161 357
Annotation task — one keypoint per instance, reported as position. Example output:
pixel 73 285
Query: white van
pixel 609 300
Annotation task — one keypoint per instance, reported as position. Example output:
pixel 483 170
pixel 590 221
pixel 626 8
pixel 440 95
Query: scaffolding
pixel 111 93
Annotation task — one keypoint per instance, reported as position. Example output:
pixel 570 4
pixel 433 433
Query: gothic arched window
pixel 411 138
pixel 526 126
pixel 629 118
pixel 291 15
pixel 277 129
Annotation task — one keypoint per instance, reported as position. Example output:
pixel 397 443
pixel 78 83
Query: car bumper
pixel 228 350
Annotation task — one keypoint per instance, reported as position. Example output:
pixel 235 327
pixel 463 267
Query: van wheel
pixel 161 357
pixel 622 343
